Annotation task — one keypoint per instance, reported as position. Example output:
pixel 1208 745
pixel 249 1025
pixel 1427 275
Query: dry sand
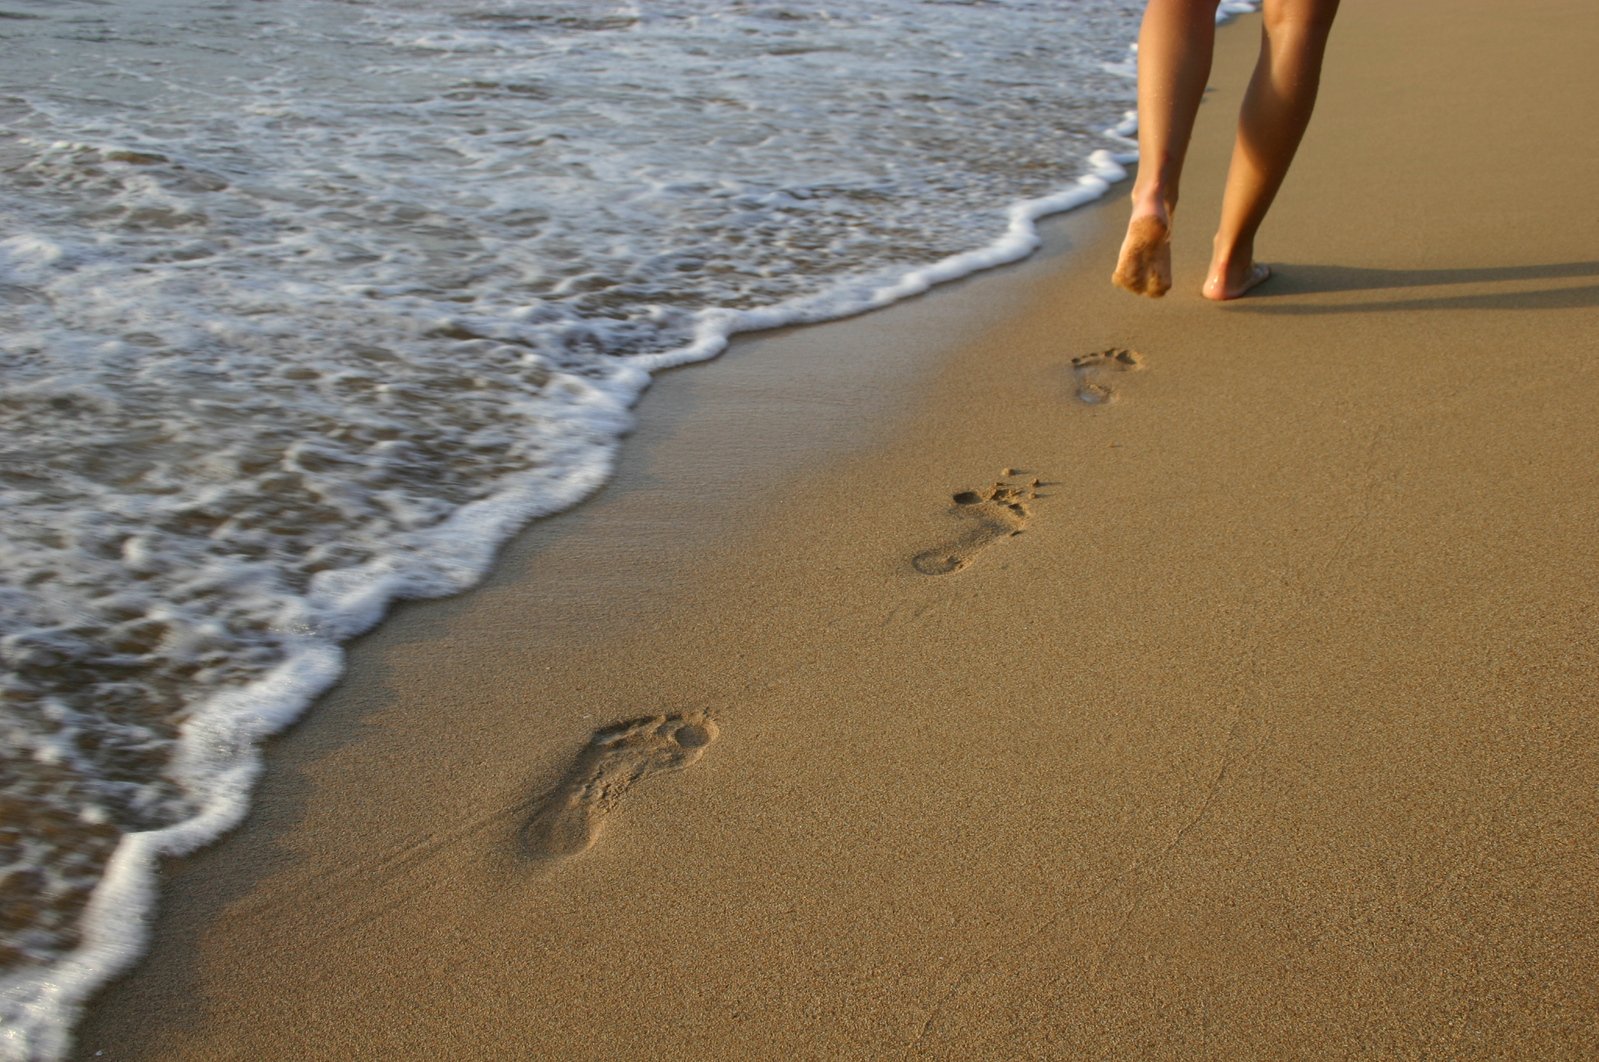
pixel 1272 734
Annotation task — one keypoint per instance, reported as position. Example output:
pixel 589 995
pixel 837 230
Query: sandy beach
pixel 1027 670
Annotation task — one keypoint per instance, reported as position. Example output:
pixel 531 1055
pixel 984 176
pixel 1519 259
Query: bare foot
pixel 1224 285
pixel 1144 267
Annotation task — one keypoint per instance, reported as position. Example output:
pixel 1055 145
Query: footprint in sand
pixel 1092 370
pixel 990 515
pixel 569 818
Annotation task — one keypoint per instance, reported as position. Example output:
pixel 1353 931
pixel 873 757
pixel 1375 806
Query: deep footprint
pixel 568 820
pixel 999 512
pixel 1091 371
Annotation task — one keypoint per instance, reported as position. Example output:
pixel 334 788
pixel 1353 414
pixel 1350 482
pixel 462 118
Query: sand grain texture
pixel 1273 735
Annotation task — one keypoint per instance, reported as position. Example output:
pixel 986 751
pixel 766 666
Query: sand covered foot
pixel 1094 372
pixel 989 516
pixel 1144 265
pixel 568 819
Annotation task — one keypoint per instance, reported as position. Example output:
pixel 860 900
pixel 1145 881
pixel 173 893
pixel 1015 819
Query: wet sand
pixel 1026 671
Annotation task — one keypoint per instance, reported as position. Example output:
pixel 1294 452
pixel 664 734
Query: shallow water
pixel 307 305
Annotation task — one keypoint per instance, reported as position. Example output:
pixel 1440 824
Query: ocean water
pixel 307 305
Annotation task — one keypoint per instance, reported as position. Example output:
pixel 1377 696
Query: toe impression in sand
pixel 1093 373
pixel 999 512
pixel 568 819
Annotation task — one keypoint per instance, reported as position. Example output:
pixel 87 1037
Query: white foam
pixel 27 259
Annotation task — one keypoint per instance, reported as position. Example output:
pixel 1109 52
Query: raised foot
pixel 1092 372
pixel 990 515
pixel 1217 289
pixel 567 820
pixel 1144 265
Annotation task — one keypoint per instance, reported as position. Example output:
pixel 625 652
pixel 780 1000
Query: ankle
pixel 1231 254
pixel 1153 201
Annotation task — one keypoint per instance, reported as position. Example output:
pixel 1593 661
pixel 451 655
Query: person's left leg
pixel 1174 49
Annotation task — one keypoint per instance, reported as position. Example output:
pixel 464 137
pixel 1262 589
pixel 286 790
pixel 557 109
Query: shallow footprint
pixel 999 512
pixel 568 819
pixel 1091 371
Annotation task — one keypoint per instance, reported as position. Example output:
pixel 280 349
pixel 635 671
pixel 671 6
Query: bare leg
pixel 1271 123
pixel 1174 50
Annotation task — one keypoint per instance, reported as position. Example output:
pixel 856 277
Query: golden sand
pixel 1025 671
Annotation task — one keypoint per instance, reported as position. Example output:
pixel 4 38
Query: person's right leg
pixel 1271 123
pixel 1174 50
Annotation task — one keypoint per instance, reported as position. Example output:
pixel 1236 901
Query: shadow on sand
pixel 1290 280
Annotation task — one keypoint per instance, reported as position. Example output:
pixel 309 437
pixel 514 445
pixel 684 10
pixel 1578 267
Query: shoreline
pixel 880 757
pixel 281 698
